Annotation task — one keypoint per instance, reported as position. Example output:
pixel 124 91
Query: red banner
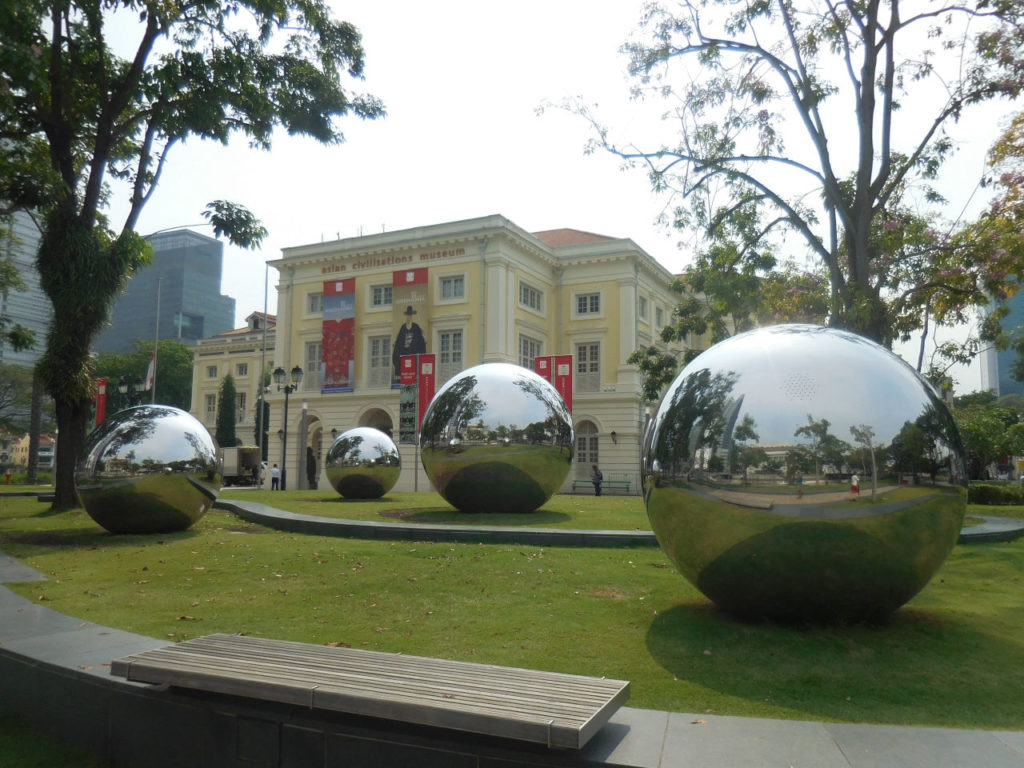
pixel 542 367
pixel 407 369
pixel 99 397
pixel 338 356
pixel 427 382
pixel 562 378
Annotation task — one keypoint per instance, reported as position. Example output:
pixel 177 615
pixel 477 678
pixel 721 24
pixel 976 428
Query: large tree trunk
pixel 81 273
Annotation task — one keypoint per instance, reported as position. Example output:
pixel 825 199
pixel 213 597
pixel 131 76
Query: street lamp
pixel 131 389
pixel 280 375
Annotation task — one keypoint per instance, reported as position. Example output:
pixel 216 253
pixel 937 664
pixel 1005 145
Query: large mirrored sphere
pixel 148 469
pixel 497 438
pixel 748 466
pixel 363 463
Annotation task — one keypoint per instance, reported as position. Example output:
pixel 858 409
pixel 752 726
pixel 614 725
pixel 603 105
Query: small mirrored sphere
pixel 363 463
pixel 497 438
pixel 804 473
pixel 148 469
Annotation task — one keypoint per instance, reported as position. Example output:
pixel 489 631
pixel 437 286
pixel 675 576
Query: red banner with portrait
pixel 409 305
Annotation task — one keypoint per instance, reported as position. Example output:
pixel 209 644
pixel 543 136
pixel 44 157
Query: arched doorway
pixel 378 419
pixel 313 461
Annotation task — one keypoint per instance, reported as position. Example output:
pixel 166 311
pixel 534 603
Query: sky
pixel 462 82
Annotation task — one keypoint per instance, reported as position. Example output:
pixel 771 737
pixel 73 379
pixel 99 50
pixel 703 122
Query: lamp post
pixel 280 375
pixel 131 389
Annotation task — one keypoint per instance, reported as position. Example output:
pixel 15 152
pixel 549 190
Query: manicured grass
pixel 560 511
pixel 954 656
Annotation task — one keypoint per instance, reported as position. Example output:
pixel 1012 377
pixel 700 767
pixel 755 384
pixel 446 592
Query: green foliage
pixel 995 495
pixel 758 152
pixel 74 113
pixel 226 419
pixel 15 396
pixel 173 373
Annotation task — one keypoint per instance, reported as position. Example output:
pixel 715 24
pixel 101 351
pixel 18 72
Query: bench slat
pixel 552 708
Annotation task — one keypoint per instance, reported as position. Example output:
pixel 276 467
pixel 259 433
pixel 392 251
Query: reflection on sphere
pixel 148 469
pixel 755 414
pixel 497 438
pixel 363 463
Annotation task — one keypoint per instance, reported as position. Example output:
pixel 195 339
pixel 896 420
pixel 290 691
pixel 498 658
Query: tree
pixel 75 114
pixel 174 364
pixel 15 396
pixel 801 121
pixel 227 403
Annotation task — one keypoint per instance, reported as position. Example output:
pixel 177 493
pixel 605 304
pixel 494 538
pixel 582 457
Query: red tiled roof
pixel 558 237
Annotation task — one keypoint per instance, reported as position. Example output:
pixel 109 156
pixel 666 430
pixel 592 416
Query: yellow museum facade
pixel 467 292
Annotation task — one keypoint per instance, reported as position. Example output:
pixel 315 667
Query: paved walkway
pixel 634 737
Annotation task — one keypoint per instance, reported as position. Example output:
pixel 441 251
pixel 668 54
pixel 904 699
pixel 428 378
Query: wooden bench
pixel 606 484
pixel 558 710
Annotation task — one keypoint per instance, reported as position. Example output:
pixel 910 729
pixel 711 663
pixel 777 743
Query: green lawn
pixel 954 656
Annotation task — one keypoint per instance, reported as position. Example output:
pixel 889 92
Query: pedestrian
pixel 275 478
pixel 800 486
pixel 596 477
pixel 310 467
pixel 855 487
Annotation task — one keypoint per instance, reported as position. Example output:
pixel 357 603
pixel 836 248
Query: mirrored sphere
pixel 748 468
pixel 497 438
pixel 363 463
pixel 148 469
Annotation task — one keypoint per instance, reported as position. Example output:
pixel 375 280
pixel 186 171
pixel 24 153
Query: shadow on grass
pixel 446 515
pixel 914 668
pixel 90 538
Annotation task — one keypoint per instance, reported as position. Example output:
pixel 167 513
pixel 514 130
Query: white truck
pixel 241 465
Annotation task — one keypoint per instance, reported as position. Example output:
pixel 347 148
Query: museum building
pixel 463 293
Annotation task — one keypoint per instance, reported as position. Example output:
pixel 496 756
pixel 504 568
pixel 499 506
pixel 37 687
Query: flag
pixel 151 371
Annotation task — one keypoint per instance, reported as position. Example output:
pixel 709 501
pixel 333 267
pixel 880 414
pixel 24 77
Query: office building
pixel 178 296
pixel 29 306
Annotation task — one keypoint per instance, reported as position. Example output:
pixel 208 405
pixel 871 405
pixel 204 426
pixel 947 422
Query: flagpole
pixel 156 339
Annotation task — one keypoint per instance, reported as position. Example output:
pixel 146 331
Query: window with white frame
pixel 312 379
pixel 240 410
pixel 641 308
pixel 588 367
pixel 529 350
pixel 380 361
pixel 211 408
pixel 314 303
pixel 380 296
pixel 449 354
pixel 659 317
pixel 531 297
pixel 453 287
pixel 241 369
pixel 211 371
pixel 588 303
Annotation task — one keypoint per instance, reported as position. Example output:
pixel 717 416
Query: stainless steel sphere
pixel 748 467
pixel 363 463
pixel 148 469
pixel 497 438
